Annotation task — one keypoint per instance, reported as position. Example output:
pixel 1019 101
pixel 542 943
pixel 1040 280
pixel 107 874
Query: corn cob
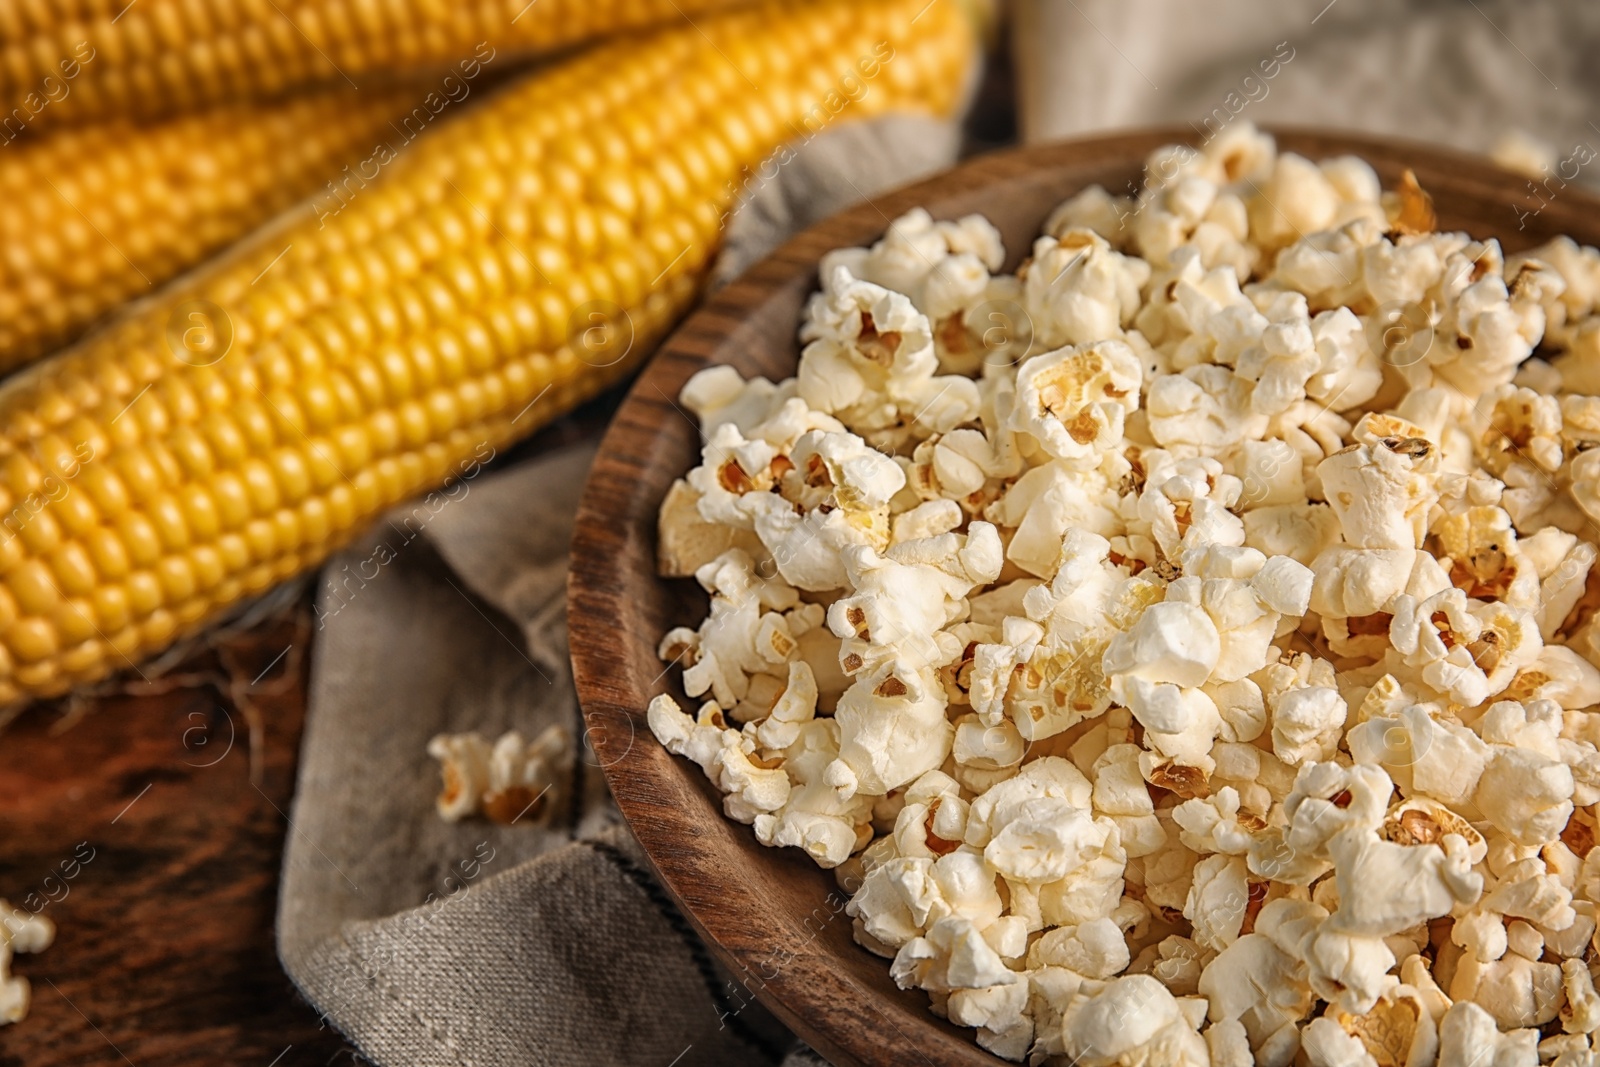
pixel 155 58
pixel 90 217
pixel 150 479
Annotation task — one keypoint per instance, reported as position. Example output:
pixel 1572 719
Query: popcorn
pixel 1176 962
pixel 685 541
pixel 464 765
pixel 1355 582
pixel 1060 643
pixel 1306 710
pixel 913 251
pixel 744 635
pixel 731 466
pixel 1228 1044
pixel 1119 792
pixel 1495 330
pixel 1435 638
pixel 1049 500
pixel 861 477
pixel 1195 315
pixel 1523 426
pixel 1420 872
pixel 1299 197
pixel 1094 949
pixel 1567 1050
pixel 1092 209
pixel 1326 799
pixel 1486 559
pixel 1184 647
pixel 753 785
pixel 20 931
pixel 1205 408
pixel 1045 840
pixel 1167 874
pixel 1331 267
pixel 1260 980
pixel 814 817
pixel 1172 642
pixel 1298 531
pixel 1326 1044
pixel 505 781
pixel 1132 1020
pixel 1073 401
pixel 1468 1034
pixel 1189 502
pixel 1515 990
pixel 1000 1015
pixel 1525 795
pixel 959 466
pixel 1581 1015
pixel 1578 269
pixel 1193 214
pixel 1217 900
pixel 1326 359
pixel 1381 493
pixel 757 408
pixel 889 734
pixel 1039 824
pixel 793 707
pixel 870 362
pixel 1399 1029
pixel 892 626
pixel 1155 668
pixel 951 957
pixel 1078 290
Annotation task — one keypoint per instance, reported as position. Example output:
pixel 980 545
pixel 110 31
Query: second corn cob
pixel 249 423
pixel 92 216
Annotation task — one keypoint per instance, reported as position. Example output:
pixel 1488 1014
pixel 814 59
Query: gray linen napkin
pixel 470 944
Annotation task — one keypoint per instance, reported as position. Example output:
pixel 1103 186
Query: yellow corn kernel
pixel 78 243
pixel 349 388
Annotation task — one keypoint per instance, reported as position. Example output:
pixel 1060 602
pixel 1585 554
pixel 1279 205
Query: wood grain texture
pixel 164 954
pixel 750 902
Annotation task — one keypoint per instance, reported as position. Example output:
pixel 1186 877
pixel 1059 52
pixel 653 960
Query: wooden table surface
pixel 164 951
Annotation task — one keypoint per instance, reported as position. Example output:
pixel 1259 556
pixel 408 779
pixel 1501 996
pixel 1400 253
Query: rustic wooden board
pixel 164 951
pixel 751 903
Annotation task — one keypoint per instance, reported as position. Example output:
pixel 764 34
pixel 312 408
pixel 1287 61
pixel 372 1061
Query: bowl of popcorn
pixel 1127 602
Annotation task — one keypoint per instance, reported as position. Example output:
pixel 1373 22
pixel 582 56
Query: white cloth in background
pixel 1454 72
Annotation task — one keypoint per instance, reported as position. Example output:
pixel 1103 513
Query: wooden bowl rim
pixel 809 995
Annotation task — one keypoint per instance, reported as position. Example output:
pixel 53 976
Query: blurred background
pixel 271 267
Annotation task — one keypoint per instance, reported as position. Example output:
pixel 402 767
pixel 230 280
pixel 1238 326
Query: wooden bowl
pixel 770 914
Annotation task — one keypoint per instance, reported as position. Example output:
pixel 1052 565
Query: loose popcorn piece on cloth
pixel 506 782
pixel 1202 669
pixel 20 931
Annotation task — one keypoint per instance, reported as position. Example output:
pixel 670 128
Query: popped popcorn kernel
pixel 507 782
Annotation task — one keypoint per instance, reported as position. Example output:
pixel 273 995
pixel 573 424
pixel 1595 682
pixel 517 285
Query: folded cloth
pixel 472 944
